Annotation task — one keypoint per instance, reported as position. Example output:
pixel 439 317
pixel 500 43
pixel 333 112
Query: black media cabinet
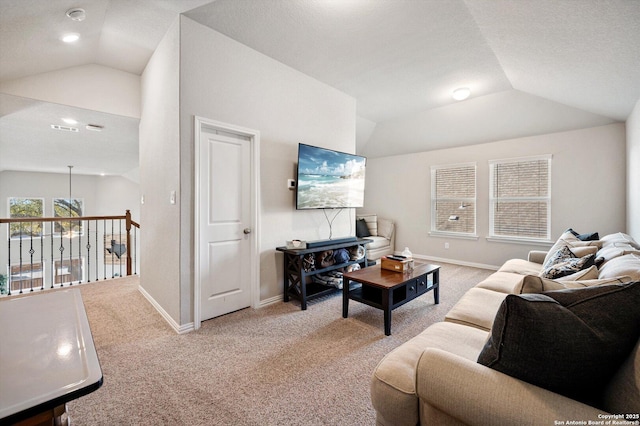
pixel 297 282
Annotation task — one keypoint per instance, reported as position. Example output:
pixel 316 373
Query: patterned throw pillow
pixel 563 262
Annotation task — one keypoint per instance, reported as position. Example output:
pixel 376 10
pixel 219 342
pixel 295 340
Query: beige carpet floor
pixel 276 365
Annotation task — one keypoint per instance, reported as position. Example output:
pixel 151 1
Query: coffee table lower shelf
pixel 388 290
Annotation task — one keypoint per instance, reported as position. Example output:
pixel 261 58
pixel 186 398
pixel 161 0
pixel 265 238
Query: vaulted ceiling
pixel 559 64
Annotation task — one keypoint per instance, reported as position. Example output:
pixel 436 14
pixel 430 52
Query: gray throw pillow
pixel 568 341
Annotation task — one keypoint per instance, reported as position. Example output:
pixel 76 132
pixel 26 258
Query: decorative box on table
pixel 396 264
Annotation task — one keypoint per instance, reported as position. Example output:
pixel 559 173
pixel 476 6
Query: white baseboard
pixel 457 262
pixel 270 301
pixel 180 329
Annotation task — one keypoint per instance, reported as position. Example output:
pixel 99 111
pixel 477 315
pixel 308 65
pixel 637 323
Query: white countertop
pixel 47 355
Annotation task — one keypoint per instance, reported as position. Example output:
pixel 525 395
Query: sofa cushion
pixel 591 236
pixel 623 392
pixel 393 390
pixel 476 308
pixel 372 223
pixel 385 228
pixel 583 251
pixel 378 242
pixel 571 241
pixel 563 262
pixel 611 251
pixel 503 282
pixel 568 341
pixel 563 253
pixel 362 230
pixel 629 264
pixel 521 266
pixel 618 237
pixel 536 284
pixel 591 273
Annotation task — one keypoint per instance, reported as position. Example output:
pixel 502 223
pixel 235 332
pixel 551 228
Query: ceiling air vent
pixel 76 14
pixel 94 127
pixel 64 128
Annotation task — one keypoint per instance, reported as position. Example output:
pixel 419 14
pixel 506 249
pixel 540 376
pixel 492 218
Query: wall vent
pixel 64 128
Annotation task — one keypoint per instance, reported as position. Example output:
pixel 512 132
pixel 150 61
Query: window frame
pixel 462 200
pixel 42 226
pixel 55 226
pixel 493 200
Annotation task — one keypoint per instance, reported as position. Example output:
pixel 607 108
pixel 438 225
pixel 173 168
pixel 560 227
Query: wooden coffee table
pixel 387 290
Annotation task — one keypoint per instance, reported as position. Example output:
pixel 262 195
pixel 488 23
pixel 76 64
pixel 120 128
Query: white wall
pixel 102 195
pixel 93 87
pixel 588 190
pixel 226 81
pixel 48 186
pixel 633 173
pixel 160 174
pixel 115 195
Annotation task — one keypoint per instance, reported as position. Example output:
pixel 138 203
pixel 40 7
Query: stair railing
pixel 54 252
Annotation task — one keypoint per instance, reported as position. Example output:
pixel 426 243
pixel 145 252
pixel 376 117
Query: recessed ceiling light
pixel 461 93
pixel 71 38
pixel 70 121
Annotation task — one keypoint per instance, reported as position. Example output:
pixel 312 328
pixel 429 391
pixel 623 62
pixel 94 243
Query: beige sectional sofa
pixel 435 378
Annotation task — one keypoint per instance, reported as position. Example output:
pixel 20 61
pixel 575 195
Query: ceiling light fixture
pixel 71 38
pixel 76 14
pixel 461 93
pixel 70 121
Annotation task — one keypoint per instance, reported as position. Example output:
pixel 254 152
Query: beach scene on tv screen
pixel 329 179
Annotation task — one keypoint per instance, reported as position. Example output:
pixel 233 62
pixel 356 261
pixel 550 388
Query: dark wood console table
pixel 297 283
pixel 388 290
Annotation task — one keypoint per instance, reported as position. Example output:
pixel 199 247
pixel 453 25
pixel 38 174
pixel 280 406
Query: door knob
pixel 247 230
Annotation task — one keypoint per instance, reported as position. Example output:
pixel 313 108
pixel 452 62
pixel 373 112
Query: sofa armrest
pixel 477 395
pixel 537 256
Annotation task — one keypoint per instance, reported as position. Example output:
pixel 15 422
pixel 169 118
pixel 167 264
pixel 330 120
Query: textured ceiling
pixel 394 57
pixel 403 56
pixel 399 59
pixel 121 34
pixel 580 53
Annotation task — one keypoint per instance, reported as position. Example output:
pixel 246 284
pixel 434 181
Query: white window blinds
pixel 453 199
pixel 520 198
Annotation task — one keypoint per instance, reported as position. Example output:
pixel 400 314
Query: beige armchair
pixel 382 232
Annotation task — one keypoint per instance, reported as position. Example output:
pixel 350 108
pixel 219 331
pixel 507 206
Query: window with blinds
pixel 520 198
pixel 453 199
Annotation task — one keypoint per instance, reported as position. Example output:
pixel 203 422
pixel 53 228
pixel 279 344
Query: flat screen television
pixel 329 179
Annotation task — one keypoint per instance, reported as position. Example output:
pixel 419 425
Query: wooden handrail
pixel 66 219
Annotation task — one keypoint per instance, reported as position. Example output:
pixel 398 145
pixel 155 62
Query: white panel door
pixel 224 223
